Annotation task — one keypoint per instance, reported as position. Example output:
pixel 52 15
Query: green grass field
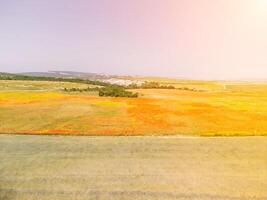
pixel 205 108
pixel 130 168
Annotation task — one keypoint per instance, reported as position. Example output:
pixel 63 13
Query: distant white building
pixel 123 82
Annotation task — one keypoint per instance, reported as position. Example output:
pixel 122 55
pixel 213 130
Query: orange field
pixel 232 109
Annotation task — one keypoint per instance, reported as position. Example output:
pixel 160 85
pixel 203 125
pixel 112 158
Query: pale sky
pixel 198 39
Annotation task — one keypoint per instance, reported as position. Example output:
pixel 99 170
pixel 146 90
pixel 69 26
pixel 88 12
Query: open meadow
pixel 132 168
pixel 193 108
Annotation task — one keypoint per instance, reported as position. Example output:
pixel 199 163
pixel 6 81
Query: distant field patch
pixel 231 109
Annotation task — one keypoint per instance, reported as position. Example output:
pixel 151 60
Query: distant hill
pixel 68 74
pixel 41 77
pixel 3 75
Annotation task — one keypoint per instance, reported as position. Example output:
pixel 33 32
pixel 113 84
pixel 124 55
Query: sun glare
pixel 261 5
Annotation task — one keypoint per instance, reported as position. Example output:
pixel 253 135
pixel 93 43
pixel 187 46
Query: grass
pixel 123 168
pixel 217 109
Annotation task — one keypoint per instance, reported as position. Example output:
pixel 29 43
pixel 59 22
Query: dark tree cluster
pixel 116 91
pixel 111 91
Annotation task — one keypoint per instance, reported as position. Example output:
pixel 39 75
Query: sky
pixel 197 39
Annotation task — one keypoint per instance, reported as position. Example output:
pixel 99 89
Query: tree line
pixel 5 76
pixel 107 91
pixel 150 85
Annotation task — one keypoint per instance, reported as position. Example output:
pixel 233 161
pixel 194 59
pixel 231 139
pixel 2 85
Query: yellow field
pixel 220 108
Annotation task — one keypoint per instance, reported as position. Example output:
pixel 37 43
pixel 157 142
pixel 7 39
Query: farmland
pixel 129 168
pixel 205 108
pixel 39 160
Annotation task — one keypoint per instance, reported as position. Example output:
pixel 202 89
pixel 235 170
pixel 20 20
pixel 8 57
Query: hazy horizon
pixel 194 39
